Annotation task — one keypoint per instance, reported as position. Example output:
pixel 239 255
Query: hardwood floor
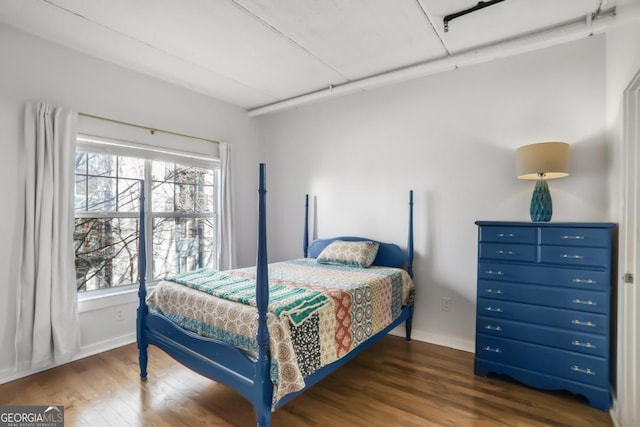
pixel 392 384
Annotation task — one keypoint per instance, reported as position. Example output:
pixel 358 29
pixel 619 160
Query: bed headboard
pixel 389 254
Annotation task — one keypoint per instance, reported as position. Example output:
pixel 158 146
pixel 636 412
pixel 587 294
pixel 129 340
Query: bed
pixel 322 312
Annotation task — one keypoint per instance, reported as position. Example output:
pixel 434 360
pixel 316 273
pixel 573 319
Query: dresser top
pixel 549 224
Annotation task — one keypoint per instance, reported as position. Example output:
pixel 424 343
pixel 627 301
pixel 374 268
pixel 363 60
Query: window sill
pixel 96 300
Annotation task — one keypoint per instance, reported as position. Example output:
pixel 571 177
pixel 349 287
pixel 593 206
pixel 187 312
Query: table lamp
pixel 540 162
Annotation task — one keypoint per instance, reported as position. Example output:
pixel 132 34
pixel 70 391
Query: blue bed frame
pixel 226 364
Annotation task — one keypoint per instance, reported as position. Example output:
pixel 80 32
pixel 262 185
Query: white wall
pixel 34 69
pixel 450 137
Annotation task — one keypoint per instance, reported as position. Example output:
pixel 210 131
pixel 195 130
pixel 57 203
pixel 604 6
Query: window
pixel 180 215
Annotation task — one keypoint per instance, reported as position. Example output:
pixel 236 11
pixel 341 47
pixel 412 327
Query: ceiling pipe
pixel 480 5
pixel 576 30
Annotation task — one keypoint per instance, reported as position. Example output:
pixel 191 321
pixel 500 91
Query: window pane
pixel 209 256
pixel 209 177
pixel 162 171
pixel 102 194
pixel 189 174
pixel 80 197
pixel 81 163
pixel 106 252
pixel 164 247
pixel 128 195
pixel 208 199
pixel 193 190
pixel 182 244
pixel 130 167
pixel 186 198
pixel 101 164
pixel 162 197
pixel 194 198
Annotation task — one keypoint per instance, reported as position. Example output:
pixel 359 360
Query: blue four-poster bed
pixel 243 360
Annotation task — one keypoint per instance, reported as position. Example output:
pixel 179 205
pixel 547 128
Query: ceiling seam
pixel 426 15
pixel 51 3
pixel 289 39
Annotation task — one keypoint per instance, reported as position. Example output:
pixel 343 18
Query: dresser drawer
pixel 596 345
pixel 547 316
pixel 595 237
pixel 573 299
pixel 507 234
pixel 511 252
pixel 574 255
pixel 566 364
pixel 551 276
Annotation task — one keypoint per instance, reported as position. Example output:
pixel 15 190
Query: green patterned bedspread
pixel 284 300
pixel 317 313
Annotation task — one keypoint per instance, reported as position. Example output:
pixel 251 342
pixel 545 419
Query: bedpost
pixel 263 363
pixel 305 238
pixel 410 238
pixel 409 321
pixel 143 310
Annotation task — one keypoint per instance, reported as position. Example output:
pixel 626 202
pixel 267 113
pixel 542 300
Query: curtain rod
pixel 151 130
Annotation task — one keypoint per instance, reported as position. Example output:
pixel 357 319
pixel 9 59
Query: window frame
pixel 89 300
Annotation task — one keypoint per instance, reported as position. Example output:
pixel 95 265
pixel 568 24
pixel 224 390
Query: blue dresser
pixel 544 305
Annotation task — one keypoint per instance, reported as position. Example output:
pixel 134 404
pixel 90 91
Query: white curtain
pixel 48 327
pixel 226 235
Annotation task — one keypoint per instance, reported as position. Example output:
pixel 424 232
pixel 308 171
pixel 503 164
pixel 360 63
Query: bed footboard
pixel 212 358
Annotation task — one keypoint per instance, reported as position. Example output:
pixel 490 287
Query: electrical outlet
pixel 119 315
pixel 446 304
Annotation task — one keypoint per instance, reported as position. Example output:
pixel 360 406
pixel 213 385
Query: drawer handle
pixel 571 256
pixel 493 350
pixel 583 302
pixel 568 237
pixel 580 323
pixel 492 291
pixel 493 328
pixel 583 344
pixel 495 310
pixel 505 235
pixel 588 281
pixel 587 371
pixel 501 252
pixel 497 273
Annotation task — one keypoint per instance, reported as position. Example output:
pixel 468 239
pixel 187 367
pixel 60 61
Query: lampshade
pixel 547 159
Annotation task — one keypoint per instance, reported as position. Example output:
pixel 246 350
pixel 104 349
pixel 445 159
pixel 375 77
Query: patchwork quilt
pixel 317 312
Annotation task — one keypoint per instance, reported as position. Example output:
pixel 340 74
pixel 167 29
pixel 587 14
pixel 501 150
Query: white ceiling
pixel 253 53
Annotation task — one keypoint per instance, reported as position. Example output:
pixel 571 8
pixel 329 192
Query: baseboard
pixel 106 345
pixel 443 340
pixel 8 374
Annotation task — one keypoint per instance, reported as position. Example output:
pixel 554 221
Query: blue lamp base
pixel 541 209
